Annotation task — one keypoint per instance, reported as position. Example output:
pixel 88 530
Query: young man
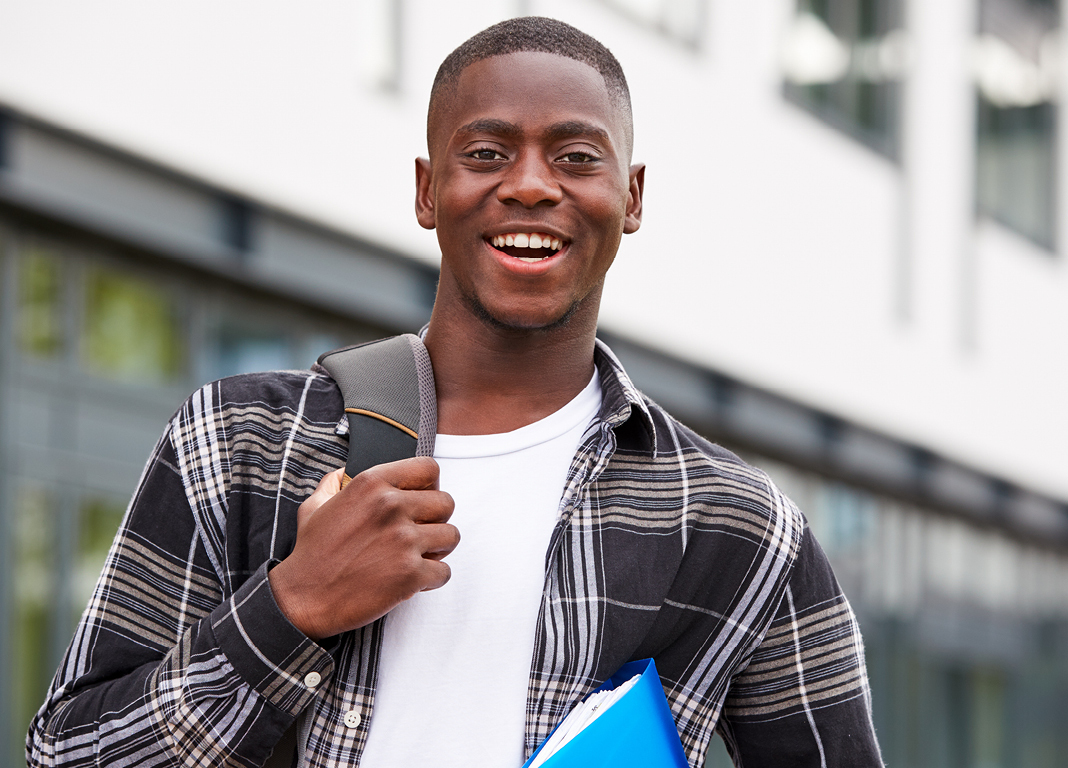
pixel 235 606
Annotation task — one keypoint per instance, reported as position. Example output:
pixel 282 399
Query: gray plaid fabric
pixel 667 547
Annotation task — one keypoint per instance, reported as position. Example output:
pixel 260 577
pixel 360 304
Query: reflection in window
pixel 131 329
pixel 97 522
pixel 40 307
pixel 844 60
pixel 681 20
pixel 33 594
pixel 1015 65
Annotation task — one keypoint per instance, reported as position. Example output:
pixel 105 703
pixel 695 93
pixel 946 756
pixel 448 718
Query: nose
pixel 530 182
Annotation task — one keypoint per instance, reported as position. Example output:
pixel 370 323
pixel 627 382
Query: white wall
pixel 773 246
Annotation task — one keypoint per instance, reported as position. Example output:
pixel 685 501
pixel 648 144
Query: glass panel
pixel 34 597
pixel 40 307
pixel 988 718
pixel 246 351
pixel 98 521
pixel 131 329
pixel 844 60
pixel 1015 62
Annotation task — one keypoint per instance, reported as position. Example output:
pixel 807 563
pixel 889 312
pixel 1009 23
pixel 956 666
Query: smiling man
pixel 242 617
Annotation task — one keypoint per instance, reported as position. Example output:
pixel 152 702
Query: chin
pixel 520 322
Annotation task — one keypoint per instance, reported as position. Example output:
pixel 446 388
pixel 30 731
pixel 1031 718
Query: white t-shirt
pixel 455 664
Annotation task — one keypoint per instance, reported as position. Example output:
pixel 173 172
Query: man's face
pixel 528 147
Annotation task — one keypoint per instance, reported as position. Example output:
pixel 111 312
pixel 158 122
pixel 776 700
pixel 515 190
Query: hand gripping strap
pixel 388 389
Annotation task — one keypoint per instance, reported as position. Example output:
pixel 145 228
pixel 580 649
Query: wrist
pixel 289 600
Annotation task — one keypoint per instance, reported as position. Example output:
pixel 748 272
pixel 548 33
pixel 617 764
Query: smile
pixel 536 241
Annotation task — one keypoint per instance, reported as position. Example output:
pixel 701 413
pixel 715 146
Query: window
pixel 40 304
pixel 50 590
pixel 98 520
pixel 380 50
pixel 681 20
pixel 32 625
pixel 131 329
pixel 1015 65
pixel 844 60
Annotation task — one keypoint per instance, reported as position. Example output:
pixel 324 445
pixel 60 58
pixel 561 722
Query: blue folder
pixel 637 731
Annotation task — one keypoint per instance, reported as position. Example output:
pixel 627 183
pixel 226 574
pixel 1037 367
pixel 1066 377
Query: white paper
pixel 581 716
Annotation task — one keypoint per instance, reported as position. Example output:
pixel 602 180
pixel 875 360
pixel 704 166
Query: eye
pixel 579 158
pixel 485 153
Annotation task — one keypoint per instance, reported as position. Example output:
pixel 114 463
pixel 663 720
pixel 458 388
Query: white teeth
pixel 528 240
pixel 529 259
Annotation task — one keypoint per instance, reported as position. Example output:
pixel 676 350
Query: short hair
pixel 541 34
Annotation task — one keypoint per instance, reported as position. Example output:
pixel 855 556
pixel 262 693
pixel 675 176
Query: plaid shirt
pixel 667 546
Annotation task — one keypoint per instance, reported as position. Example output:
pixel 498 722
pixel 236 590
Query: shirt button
pixel 353 719
pixel 312 679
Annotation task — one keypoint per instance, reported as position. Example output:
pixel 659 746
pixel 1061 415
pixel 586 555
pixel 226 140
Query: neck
pixel 491 380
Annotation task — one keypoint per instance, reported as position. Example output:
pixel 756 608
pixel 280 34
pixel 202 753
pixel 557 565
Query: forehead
pixel 529 88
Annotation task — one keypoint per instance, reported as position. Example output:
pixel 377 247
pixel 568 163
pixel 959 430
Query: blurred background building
pixel 851 271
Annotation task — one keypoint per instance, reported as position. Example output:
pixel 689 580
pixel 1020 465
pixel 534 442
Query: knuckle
pixel 385 503
pixel 426 463
pixel 363 483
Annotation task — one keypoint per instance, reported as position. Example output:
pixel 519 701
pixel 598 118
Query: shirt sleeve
pixel 803 700
pixel 168 666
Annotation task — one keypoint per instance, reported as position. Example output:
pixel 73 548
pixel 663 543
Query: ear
pixel 634 199
pixel 424 193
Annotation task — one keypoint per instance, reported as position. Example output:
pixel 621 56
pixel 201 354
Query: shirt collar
pixel 623 407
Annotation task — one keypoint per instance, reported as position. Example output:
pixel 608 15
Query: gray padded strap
pixel 387 385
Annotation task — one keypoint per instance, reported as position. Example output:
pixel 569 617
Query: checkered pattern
pixel 667 547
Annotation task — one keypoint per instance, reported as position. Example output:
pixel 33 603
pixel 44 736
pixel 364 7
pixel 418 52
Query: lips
pixel 528 247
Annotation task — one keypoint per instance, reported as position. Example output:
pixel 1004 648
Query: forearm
pixel 218 697
pixel 165 668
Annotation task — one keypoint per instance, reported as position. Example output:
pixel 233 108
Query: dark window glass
pixel 240 349
pixel 34 594
pixel 131 329
pixel 844 61
pixel 98 521
pixel 1015 61
pixel 40 303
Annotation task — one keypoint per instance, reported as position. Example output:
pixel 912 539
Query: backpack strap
pixel 388 389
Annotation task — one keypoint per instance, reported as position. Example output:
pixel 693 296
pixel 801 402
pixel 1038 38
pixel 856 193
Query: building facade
pixel 853 206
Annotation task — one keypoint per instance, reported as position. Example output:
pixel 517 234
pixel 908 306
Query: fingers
pixel 439 540
pixel 408 486
pixel 436 574
pixel 416 474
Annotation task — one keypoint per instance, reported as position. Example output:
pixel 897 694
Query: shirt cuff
pixel 278 660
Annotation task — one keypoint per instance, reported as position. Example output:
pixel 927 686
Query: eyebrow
pixel 573 128
pixel 489 125
pixel 556 131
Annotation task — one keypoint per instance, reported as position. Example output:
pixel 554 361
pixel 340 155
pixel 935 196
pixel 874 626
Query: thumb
pixel 328 487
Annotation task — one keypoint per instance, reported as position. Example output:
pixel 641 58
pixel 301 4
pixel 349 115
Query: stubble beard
pixel 479 310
